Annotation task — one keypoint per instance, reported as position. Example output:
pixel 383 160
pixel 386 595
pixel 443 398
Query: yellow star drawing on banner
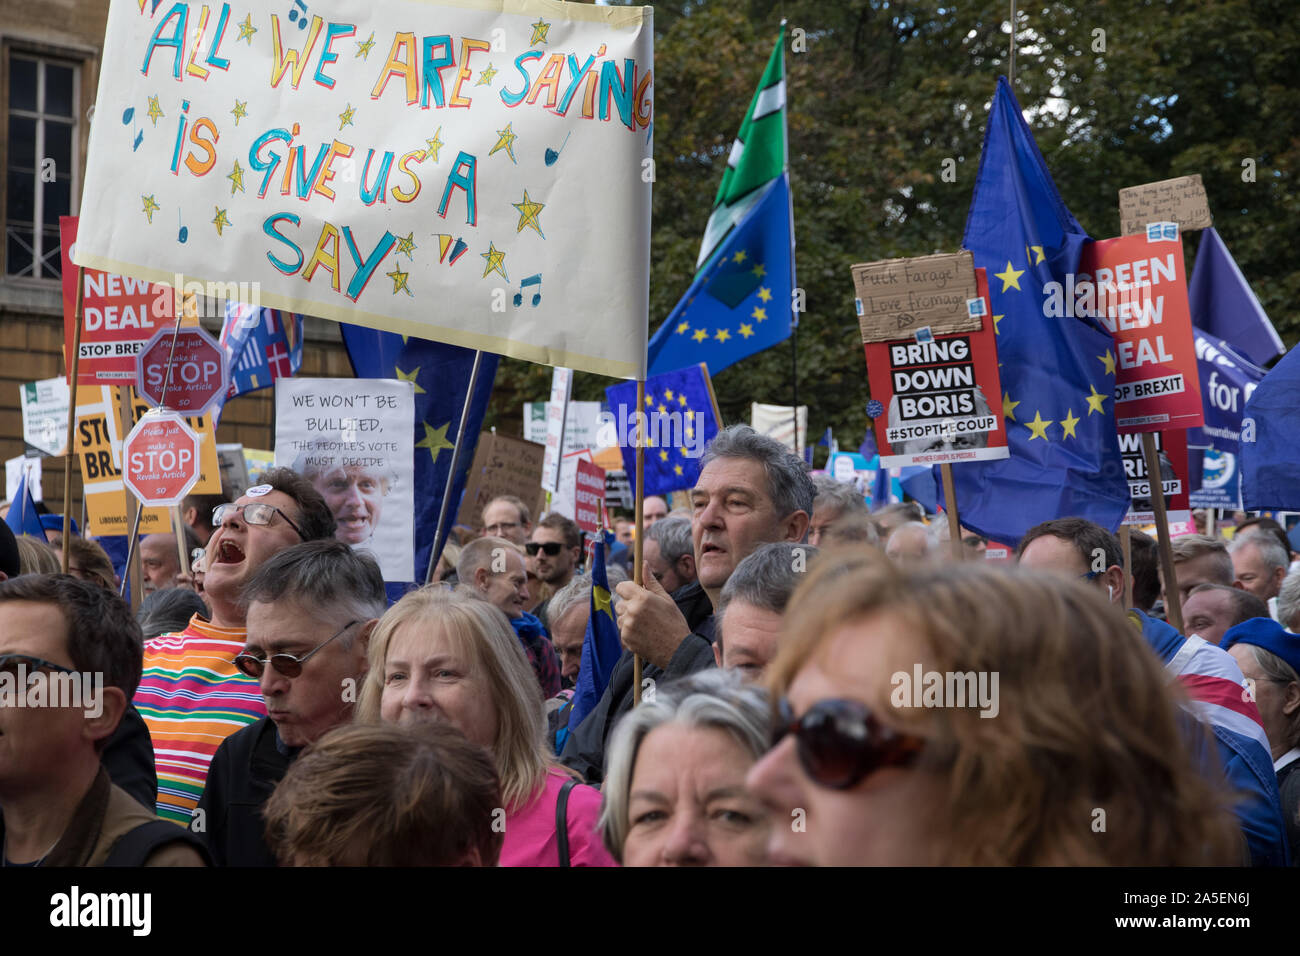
pixel 435 144
pixel 1095 401
pixel 1108 360
pixel 506 140
pixel 739 256
pixel 1038 427
pixel 759 271
pixel 236 178
pixel 1010 277
pixel 495 260
pixel 540 29
pixel 722 335
pixel 220 219
pixel 240 110
pixel 246 30
pixel 364 46
pixel 399 280
pixel 600 598
pixel 997 319
pixel 410 377
pixel 435 439
pixel 485 76
pixel 155 111
pixel 529 211
pixel 759 313
pixel 700 335
pixel 150 207
pixel 683 328
pixel 406 245
pixel 746 329
pixel 765 293
pixel 1068 423
pixel 1008 407
pixel 345 118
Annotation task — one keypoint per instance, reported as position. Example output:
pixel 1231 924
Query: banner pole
pixel 69 453
pixel 639 540
pixel 133 504
pixel 713 398
pixel 435 552
pixel 950 501
pixel 1173 607
pixel 178 523
pixel 1126 546
pixel 794 383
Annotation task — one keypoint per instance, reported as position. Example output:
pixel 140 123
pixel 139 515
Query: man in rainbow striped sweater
pixel 191 695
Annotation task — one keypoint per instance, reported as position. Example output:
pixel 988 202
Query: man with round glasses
pixel 191 694
pixel 311 609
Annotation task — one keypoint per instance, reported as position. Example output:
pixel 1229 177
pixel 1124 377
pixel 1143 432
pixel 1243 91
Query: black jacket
pixel 584 751
pixel 244 771
pixel 694 605
pixel 128 758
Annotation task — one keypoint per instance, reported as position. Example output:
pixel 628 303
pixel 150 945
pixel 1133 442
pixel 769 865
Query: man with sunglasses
pixel 191 695
pixel 554 553
pixel 311 609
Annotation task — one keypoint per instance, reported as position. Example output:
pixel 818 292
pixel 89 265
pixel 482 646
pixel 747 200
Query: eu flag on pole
pixel 680 422
pixel 1223 304
pixel 440 374
pixel 1270 456
pixel 22 517
pixel 261 345
pixel 1057 370
pixel 740 300
pixel 601 647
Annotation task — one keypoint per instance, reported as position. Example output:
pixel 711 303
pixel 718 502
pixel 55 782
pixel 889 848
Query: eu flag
pixel 23 517
pixel 601 647
pixel 1057 370
pixel 1223 304
pixel 1270 457
pixel 261 345
pixel 679 423
pixel 440 374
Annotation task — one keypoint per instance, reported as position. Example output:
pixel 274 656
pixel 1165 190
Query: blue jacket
pixel 1247 763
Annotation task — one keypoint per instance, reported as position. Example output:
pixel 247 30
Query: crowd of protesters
pixel 818 684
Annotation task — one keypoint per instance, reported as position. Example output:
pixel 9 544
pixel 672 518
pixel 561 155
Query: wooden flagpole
pixel 1173 606
pixel 639 540
pixel 69 452
pixel 1126 546
pixel 950 506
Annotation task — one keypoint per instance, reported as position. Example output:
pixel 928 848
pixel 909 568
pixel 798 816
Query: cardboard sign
pixel 1172 447
pixel 589 496
pixel 502 466
pixel 1137 288
pixel 895 297
pixel 234 470
pixel 45 415
pixel 353 439
pixel 1180 200
pixel 939 399
pixel 618 490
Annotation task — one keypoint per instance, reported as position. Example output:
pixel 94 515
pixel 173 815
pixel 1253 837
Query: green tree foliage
pixel 1118 92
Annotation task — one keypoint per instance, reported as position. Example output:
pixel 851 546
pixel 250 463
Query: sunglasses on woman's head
pixel 840 743
pixel 551 548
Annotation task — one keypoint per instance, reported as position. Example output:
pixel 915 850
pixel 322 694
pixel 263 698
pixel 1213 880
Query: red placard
pixel 161 459
pixel 120 315
pixel 1137 288
pixel 938 400
pixel 198 370
pixel 589 496
pixel 1172 448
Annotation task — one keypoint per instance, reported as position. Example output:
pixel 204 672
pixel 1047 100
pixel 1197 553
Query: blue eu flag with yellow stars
pixel 440 374
pixel 679 422
pixel 601 647
pixel 1058 371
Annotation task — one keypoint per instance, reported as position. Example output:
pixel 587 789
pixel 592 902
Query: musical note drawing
pixel 553 154
pixel 128 116
pixel 182 234
pixel 299 18
pixel 531 280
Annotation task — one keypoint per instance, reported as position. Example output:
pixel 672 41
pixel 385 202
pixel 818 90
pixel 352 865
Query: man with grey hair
pixel 1211 609
pixel 751 491
pixel 1198 559
pixel 1288 602
pixel 669 554
pixel 911 543
pixel 836 503
pixel 311 609
pixel 748 619
pixel 1259 563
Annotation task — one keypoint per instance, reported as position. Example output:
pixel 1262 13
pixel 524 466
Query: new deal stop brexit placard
pixel 929 395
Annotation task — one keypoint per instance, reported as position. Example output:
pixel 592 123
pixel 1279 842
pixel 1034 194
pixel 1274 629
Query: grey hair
pixel 1271 551
pixel 765 578
pixel 674 537
pixel 932 544
pixel 838 496
pixel 479 554
pixel 321 576
pixel 1288 600
pixel 788 485
pixel 1283 673
pixel 710 699
pixel 578 593
pixel 853 531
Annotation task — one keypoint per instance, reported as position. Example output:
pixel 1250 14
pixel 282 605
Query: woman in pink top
pixel 443 655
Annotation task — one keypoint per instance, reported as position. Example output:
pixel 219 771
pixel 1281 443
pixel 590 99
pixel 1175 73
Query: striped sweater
pixel 193 698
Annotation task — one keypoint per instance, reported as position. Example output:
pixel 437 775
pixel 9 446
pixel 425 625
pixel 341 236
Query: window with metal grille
pixel 40 171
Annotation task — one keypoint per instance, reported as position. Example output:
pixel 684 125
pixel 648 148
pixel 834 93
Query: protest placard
pixel 354 438
pixel 1136 287
pixel 234 470
pixel 1220 480
pixel 556 415
pixel 502 466
pixel 98 443
pixel 581 424
pixel 935 399
pixel 45 415
pixel 209 482
pixel 1171 446
pixel 1180 200
pixel 895 297
pixel 589 496
pixel 256 461
pixel 461 172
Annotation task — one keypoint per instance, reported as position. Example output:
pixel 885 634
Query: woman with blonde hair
pixel 447 655
pixel 966 715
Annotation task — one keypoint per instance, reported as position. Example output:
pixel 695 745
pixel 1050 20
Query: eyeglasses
pixel 551 548
pixel 197 559
pixel 285 664
pixel 256 512
pixel 839 742
pixel 11 663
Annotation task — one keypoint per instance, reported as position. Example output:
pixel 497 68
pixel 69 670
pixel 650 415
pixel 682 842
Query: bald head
pixel 909 544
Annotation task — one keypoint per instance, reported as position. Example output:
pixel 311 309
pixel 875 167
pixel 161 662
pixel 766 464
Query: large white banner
pixel 476 173
pixel 353 438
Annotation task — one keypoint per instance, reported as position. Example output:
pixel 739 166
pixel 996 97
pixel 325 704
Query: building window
pixel 40 170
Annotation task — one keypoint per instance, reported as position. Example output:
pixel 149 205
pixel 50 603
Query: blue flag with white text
pixel 1223 304
pixel 1228 379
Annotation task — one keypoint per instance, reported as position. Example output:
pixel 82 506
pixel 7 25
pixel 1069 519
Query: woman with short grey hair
pixel 674 793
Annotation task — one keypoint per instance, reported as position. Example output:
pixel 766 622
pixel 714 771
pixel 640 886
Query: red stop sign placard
pixel 198 373
pixel 161 459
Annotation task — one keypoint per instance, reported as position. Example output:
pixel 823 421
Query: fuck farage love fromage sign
pixel 473 173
